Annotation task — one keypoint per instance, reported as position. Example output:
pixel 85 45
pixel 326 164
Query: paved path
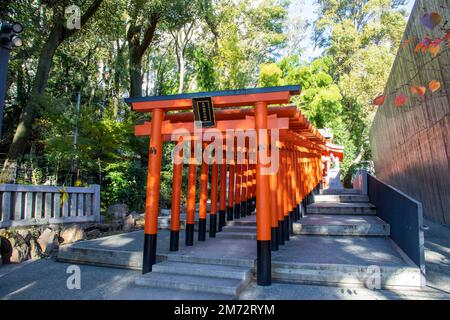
pixel 46 279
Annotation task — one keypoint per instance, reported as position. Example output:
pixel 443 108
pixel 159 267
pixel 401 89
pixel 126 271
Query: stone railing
pixel 25 205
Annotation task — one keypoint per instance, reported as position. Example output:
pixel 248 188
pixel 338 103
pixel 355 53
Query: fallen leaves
pixel 434 85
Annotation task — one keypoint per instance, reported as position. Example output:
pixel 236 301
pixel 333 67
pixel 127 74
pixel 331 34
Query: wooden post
pixel 237 193
pixel 203 199
pixel 244 184
pixel 290 188
pixel 153 187
pixel 274 211
pixel 190 208
pixel 231 169
pixel 298 178
pixel 223 193
pixel 254 187
pixel 249 185
pixel 176 202
pixel 285 195
pixel 263 231
pixel 280 207
pixel 214 189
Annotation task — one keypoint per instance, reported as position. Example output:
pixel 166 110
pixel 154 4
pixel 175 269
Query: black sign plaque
pixel 203 111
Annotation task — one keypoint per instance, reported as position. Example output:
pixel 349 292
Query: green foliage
pixel 125 183
pixel 204 68
pixel 231 45
pixel 270 75
pixel 360 39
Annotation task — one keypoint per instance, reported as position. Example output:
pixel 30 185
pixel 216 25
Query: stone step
pixel 341 198
pixel 348 275
pixel 164 223
pixel 241 223
pixel 100 257
pixel 238 262
pixel 207 270
pixel 341 225
pixel 341 208
pixel 214 285
pixel 239 228
pixel 236 235
pixel 339 191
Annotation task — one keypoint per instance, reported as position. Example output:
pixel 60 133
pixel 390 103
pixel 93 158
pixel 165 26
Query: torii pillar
pixel 263 222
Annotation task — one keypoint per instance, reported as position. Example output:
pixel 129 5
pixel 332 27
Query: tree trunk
pixel 135 74
pixel 21 137
pixel 182 68
pixel 136 52
pixel 23 131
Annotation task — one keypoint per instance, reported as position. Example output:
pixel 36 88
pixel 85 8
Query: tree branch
pixel 148 35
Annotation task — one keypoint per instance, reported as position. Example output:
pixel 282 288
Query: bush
pixel 125 182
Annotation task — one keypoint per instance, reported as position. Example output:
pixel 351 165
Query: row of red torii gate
pixel 260 160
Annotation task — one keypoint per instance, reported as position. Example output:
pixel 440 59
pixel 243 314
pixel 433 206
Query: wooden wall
pixel 410 144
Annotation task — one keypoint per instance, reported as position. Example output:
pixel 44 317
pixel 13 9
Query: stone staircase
pixel 341 208
pixel 341 215
pixel 204 274
pixel 343 223
pixel 339 242
pixel 238 230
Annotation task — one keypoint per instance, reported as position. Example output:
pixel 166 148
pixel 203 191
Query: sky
pixel 306 10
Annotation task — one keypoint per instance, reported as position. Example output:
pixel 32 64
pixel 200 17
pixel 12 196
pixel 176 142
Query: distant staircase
pixel 239 230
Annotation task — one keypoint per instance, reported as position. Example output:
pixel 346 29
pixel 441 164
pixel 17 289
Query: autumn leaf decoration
pixel 427 44
pixel 400 100
pixel 447 37
pixel 419 90
pixel 406 43
pixel 431 20
pixel 379 101
pixel 432 46
pixel 434 86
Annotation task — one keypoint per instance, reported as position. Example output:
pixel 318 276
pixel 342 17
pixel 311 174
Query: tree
pixel 320 100
pixel 57 35
pixel 361 38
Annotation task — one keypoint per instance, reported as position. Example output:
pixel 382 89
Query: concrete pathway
pixel 47 279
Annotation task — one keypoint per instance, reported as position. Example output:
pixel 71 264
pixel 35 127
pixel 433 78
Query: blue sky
pixel 306 9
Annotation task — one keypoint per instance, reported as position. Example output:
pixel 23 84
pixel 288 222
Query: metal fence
pixel 403 213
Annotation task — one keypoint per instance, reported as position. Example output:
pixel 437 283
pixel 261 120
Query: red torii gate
pixel 300 146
